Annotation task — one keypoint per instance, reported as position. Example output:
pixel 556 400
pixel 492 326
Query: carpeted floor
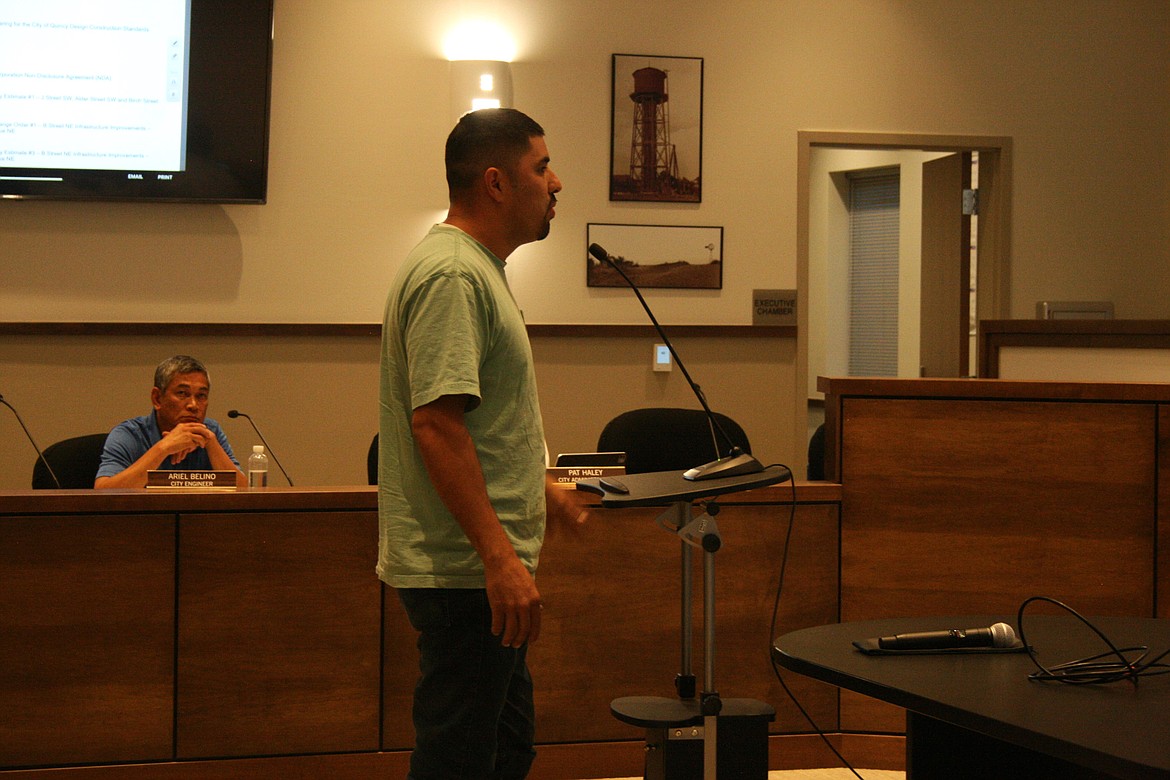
pixel 824 774
pixel 836 774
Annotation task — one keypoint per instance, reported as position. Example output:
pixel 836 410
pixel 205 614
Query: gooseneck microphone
pixel 736 461
pixel 997 635
pixel 233 413
pixel 40 455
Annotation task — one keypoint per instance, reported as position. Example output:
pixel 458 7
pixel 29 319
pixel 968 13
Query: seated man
pixel 175 436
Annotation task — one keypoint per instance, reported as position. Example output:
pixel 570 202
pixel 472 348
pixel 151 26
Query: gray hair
pixel 179 364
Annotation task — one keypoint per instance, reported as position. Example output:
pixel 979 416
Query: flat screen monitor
pixel 139 100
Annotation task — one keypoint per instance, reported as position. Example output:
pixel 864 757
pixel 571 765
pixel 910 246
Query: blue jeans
pixel 473 713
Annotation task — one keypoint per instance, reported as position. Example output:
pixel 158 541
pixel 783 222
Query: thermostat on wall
pixel 662 358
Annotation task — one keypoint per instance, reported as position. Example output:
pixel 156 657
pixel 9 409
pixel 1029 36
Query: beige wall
pixel 315 399
pixel 359 115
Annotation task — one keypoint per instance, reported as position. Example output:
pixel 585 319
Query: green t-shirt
pixel 452 328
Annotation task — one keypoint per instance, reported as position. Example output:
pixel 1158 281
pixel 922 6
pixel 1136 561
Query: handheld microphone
pixel 736 461
pixel 40 455
pixel 232 413
pixel 998 635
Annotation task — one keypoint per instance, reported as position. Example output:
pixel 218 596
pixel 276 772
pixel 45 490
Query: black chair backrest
pixel 666 439
pixel 816 454
pixel 75 461
pixel 372 461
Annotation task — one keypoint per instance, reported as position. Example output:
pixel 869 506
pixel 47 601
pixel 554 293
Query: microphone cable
pixel 599 253
pixel 775 619
pixel 1125 663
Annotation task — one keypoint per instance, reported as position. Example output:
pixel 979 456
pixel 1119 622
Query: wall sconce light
pixel 477 84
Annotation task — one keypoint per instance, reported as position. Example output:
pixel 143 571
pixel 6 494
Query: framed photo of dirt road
pixel 689 257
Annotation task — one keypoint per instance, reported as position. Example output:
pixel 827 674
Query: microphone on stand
pixel 736 461
pixel 40 454
pixel 234 414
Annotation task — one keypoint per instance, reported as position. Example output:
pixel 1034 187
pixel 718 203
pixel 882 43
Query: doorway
pixel 947 280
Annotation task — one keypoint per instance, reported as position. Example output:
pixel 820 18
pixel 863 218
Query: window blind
pixel 873 272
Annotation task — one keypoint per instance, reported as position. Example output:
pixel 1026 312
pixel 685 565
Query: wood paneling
pixel 399 675
pixel 86 638
pixel 957 496
pixel 352 766
pixel 970 496
pixel 973 506
pixel 611 590
pixel 1162 596
pixel 280 656
pixel 279 640
pixel 747 575
pixel 137 501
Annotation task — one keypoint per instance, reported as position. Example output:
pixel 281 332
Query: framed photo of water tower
pixel 656 138
pixel 672 256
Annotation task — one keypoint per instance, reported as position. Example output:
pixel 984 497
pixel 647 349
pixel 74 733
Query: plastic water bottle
pixel 257 467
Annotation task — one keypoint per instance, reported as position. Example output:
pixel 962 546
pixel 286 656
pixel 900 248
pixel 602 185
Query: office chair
pixel 816 454
pixel 372 461
pixel 75 461
pixel 665 439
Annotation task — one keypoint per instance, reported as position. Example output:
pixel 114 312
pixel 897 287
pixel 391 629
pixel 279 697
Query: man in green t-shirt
pixel 462 490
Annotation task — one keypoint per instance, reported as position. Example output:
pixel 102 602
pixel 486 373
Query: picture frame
pixel 665 256
pixel 656 129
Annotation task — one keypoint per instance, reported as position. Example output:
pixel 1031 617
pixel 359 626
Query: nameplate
pixel 568 476
pixel 591 459
pixel 191 480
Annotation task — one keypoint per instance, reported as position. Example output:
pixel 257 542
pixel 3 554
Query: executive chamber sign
pixel 773 307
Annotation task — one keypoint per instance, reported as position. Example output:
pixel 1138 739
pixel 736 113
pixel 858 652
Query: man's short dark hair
pixel 173 366
pixel 490 137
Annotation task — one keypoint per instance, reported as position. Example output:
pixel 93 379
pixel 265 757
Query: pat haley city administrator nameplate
pixel 189 480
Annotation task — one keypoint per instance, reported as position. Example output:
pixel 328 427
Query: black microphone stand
pixel 736 461
pixel 234 414
pixel 31 441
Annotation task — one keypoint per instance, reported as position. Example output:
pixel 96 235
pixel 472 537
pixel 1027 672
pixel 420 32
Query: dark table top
pixel 662 488
pixel 1118 727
